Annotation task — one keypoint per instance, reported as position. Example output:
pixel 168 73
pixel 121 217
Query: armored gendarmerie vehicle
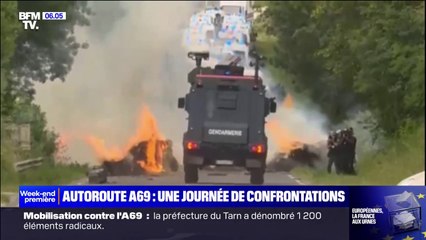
pixel 226 118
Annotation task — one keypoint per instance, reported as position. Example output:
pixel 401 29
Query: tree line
pixel 35 56
pixel 354 55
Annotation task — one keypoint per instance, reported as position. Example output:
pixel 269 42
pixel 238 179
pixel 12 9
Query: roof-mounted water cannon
pixel 229 66
pixel 233 61
pixel 258 62
pixel 230 60
pixel 198 57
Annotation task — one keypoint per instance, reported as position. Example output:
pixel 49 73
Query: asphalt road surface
pixel 217 177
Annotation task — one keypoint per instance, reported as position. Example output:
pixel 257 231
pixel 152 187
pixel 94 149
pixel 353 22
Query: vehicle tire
pixel 191 173
pixel 174 165
pixel 257 176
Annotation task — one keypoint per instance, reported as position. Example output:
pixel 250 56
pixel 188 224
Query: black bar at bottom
pixel 234 223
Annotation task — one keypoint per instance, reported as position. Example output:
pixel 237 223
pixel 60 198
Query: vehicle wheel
pixel 191 173
pixel 174 165
pixel 256 176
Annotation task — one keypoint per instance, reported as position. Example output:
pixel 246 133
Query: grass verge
pixel 402 158
pixel 5 198
pixel 43 175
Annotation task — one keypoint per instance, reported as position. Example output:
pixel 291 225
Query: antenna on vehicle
pixel 258 62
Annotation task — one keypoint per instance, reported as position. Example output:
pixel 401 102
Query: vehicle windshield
pixel 232 9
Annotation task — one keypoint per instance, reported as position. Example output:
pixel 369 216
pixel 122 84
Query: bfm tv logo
pixel 29 19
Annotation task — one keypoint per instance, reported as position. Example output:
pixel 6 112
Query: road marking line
pixel 295 179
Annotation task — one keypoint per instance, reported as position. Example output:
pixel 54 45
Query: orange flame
pixel 114 153
pixel 147 132
pixel 284 139
pixel 288 101
pixel 280 135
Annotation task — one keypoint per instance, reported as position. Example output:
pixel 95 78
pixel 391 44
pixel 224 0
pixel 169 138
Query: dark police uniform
pixel 341 151
pixel 352 151
pixel 345 157
pixel 331 144
pixel 339 161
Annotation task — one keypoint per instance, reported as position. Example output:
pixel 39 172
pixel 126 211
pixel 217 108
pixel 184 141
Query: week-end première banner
pixel 387 212
pixel 180 196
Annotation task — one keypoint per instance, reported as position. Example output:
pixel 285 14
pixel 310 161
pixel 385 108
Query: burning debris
pixel 97 175
pixel 307 155
pixel 294 148
pixel 146 152
pixel 135 162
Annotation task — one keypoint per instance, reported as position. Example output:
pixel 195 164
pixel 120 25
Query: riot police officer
pixel 340 149
pixel 351 151
pixel 341 146
pixel 331 144
pixel 344 146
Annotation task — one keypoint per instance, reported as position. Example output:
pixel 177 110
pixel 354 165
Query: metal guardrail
pixel 27 164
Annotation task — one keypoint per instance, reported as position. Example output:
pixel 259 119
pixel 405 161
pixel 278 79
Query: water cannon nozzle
pixel 198 57
pixel 195 55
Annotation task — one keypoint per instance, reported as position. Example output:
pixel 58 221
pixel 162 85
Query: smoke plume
pixel 294 123
pixel 135 58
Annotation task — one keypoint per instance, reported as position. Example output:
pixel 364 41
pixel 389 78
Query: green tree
pixel 48 53
pixel 349 55
pixel 374 47
pixel 28 56
pixel 10 29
